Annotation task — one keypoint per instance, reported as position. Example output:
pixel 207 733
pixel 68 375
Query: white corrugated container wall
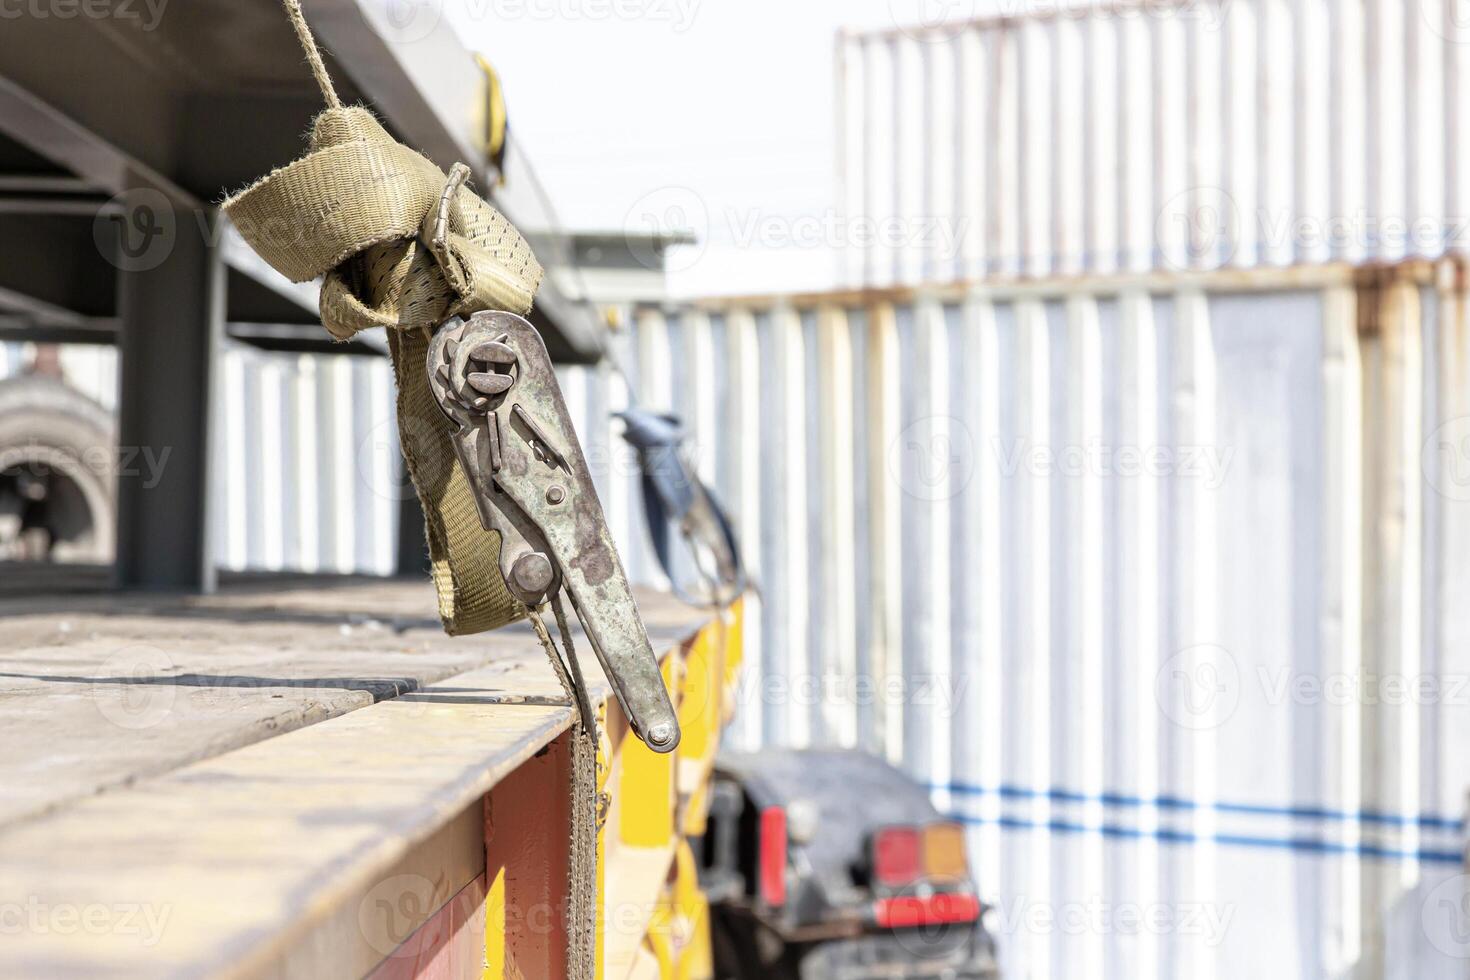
pixel 1098 135
pixel 307 454
pixel 1116 567
pixel 306 471
pixel 306 459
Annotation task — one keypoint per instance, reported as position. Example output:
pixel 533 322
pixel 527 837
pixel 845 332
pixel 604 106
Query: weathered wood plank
pixel 97 691
pixel 236 862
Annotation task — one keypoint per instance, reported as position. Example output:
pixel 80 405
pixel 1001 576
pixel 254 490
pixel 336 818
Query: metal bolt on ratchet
pixel 494 380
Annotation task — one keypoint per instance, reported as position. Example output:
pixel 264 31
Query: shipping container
pixel 1156 580
pixel 1102 135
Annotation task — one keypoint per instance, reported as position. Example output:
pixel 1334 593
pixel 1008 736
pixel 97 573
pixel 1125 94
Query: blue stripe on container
pixel 1177 803
pixel 1310 845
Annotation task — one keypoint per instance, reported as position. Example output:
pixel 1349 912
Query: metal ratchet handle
pixel 514 437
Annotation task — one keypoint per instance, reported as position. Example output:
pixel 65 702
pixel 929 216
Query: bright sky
pixel 719 112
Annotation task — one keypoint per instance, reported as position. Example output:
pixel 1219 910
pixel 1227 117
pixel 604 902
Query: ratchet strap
pixel 401 245
pixel 364 212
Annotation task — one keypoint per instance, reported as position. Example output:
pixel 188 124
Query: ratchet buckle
pixel 493 378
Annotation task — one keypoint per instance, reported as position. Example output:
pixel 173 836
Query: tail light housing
pixel 904 855
pixel 773 856
pixel 922 877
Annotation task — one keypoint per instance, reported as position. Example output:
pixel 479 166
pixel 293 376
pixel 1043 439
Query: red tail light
pixel 773 856
pixel 910 911
pixel 897 857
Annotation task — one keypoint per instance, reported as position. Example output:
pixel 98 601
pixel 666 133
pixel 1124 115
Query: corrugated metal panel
pixel 306 459
pixel 1175 134
pixel 1118 567
pixel 308 462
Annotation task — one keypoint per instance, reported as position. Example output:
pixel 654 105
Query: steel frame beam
pixel 172 320
pixel 169 320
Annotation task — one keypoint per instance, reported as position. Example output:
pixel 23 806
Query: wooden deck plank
pixel 235 856
pixel 222 839
pixel 97 691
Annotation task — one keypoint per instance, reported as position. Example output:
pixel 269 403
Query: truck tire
pixel 58 462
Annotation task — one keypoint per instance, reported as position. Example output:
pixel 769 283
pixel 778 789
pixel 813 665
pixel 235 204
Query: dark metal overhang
pixel 197 102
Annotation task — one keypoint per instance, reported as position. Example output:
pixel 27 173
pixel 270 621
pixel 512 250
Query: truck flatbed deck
pixel 281 779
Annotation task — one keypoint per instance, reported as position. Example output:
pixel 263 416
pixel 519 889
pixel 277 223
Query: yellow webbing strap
pixel 402 246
